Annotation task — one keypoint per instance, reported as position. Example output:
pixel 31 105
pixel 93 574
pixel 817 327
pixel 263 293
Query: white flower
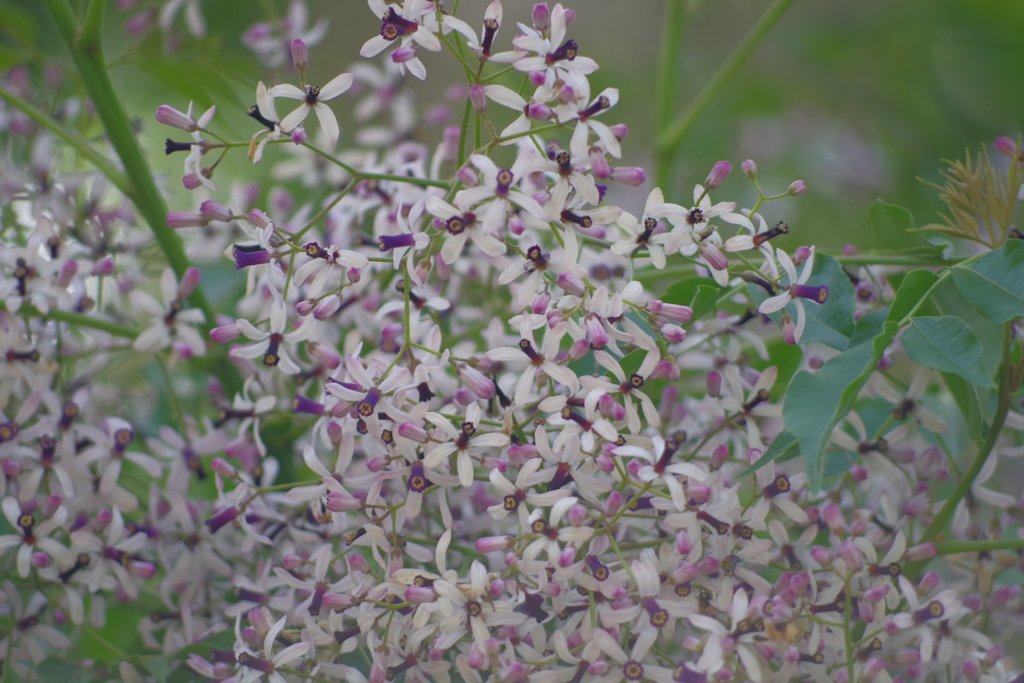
pixel 794 291
pixel 32 537
pixel 169 321
pixel 313 98
pixel 274 353
pixel 461 226
pixel 544 359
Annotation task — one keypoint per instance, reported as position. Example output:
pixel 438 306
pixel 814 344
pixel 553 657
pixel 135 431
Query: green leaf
pixel 699 293
pixel 832 322
pixel 869 326
pixel 893 231
pixel 222 640
pixel 948 300
pixel 994 284
pixel 19 23
pixel 946 343
pixel 784 447
pixel 914 286
pixel 160 667
pixel 815 402
pixel 966 398
pixel 57 670
pixel 10 57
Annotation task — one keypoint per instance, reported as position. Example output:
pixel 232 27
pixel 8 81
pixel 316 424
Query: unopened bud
pixel 1008 147
pixel 714 383
pixel 796 188
pixel 467 177
pixel 719 172
pixel 224 468
pixel 718 457
pixel 541 17
pixel 633 176
pixel 478 99
pixel 300 55
pixel 105 266
pixel 749 168
pixel 215 211
pixel 189 281
pixel 259 218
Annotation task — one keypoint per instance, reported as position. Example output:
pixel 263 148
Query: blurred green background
pixel 859 99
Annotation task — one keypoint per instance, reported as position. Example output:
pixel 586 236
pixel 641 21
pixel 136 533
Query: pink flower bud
pixel 709 565
pixel 224 468
pixel 633 176
pixel 325 354
pixel 541 17
pixel 298 136
pixel 714 383
pixel 713 255
pixel 186 219
pixel 189 281
pixel 490 544
pixel 40 560
pixel 821 555
pixel 928 582
pixel 719 172
pixel 572 284
pixel 833 517
pixel 403 54
pixel 191 181
pixel 478 99
pixel 144 570
pixel 327 307
pixel 300 55
pixel 599 163
pixel 215 211
pixel 538 112
pixel 873 667
pixel 343 502
pixel 476 381
pixel 613 503
pixel 718 457
pixel 258 218
pixel 796 188
pixel 859 473
pixel 66 274
pixel 225 333
pixel 570 16
pixel 105 266
pixel 169 116
pixel 305 307
pixel 673 334
pixel 749 168
pixel 1008 147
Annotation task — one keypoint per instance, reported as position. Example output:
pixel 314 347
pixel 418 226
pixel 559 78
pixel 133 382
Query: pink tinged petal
pixel 505 97
pixel 453 247
pixel 287 90
pixel 427 39
pixel 586 186
pixel 373 47
pixel 327 121
pixel 336 86
pixel 489 244
pixel 775 303
pixel 296 117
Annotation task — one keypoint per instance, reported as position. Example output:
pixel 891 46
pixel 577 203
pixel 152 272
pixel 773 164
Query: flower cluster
pixel 454 423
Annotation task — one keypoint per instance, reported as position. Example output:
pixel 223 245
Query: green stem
pixel 1007 376
pixel 668 69
pixel 79 319
pixel 671 138
pixel 953 547
pixel 112 173
pixel 86 48
pixel 894 260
